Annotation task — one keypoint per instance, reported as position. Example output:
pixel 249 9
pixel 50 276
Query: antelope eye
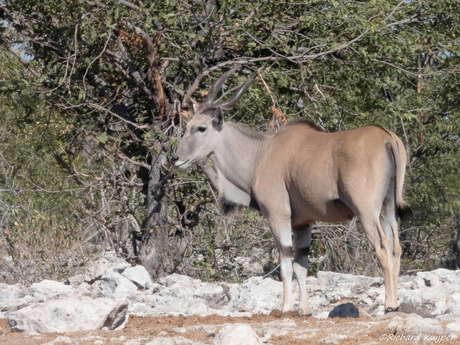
pixel 201 129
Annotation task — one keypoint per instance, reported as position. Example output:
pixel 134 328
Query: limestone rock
pixel 10 292
pixel 49 289
pixel 454 327
pixel 197 309
pixel 258 294
pixel 237 334
pixel 139 276
pixel 75 280
pixel 333 279
pixel 17 304
pixel 117 284
pixel 69 315
pixel 172 341
pixel 444 275
pixel 178 279
pixel 108 263
pixel 415 324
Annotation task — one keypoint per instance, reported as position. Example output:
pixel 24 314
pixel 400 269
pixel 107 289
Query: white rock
pixel 336 294
pixel 237 334
pixel 313 286
pixel 276 329
pixel 101 289
pixel 109 263
pixel 333 279
pixel 132 342
pixel 119 285
pixel 444 275
pixel 454 327
pixel 39 296
pixel 258 294
pixel 179 291
pixel 432 280
pixel 139 276
pixel 69 315
pixel 197 309
pixel 75 280
pixel 333 339
pixel 418 283
pixel 321 315
pixel 455 302
pixel 436 301
pixel 49 289
pixel 250 266
pixel 19 303
pixel 84 289
pixel 206 290
pixel 171 341
pixel 122 338
pixel 60 339
pixel 208 329
pixel 415 324
pixel 161 341
pixel 10 292
pixel 178 279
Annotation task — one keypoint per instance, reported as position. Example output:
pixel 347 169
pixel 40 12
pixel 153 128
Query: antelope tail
pixel 399 153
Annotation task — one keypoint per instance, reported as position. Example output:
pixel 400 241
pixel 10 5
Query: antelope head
pixel 203 131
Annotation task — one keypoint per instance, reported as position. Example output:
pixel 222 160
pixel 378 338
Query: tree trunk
pixel 154 250
pixel 456 245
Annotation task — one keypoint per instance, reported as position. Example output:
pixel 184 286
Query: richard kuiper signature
pixel 435 338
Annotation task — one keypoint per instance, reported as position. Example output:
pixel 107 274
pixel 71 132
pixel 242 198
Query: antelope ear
pixel 218 120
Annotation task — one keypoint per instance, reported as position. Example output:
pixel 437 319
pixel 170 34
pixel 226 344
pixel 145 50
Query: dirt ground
pixel 284 329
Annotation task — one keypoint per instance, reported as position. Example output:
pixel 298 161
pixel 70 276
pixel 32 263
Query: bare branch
pixel 102 52
pixel 128 4
pixel 394 9
pixel 210 173
pixel 134 162
pixel 131 71
pixel 192 89
pixel 400 68
pixel 111 113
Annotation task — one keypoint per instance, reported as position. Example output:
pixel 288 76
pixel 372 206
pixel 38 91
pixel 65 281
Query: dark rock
pixel 344 310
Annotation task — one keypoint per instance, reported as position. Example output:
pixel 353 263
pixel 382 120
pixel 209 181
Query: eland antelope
pixel 300 175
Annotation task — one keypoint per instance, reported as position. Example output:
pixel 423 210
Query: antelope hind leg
pixel 384 252
pixel 302 241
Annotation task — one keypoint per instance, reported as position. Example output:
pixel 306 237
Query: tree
pixel 126 74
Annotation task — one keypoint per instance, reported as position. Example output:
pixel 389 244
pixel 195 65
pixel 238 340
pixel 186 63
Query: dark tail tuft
pixel 404 211
pixel 227 207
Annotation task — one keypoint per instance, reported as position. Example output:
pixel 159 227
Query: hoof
pixel 391 310
pixel 306 312
pixel 287 310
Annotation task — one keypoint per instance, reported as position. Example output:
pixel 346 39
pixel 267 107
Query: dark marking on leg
pixel 286 250
pixel 304 251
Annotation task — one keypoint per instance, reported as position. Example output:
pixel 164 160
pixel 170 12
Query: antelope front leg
pixel 282 233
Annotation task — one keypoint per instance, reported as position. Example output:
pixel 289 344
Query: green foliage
pixel 342 64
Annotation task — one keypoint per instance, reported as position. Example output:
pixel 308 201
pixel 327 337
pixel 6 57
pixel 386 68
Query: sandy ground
pixel 278 329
